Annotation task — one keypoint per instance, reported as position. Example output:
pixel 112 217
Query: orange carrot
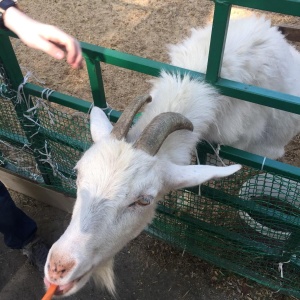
pixel 50 292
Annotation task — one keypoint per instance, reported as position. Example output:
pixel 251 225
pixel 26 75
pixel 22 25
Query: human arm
pixel 47 38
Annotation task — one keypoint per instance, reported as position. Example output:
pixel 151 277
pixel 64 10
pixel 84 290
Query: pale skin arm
pixel 47 38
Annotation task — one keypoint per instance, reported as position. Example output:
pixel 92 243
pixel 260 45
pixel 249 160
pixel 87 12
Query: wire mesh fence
pixel 248 223
pixel 42 142
pixel 245 222
pixel 246 239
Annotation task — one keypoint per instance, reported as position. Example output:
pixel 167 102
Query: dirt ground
pixel 146 268
pixel 139 27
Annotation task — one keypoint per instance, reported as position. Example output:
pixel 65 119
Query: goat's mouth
pixel 62 289
pixel 65 289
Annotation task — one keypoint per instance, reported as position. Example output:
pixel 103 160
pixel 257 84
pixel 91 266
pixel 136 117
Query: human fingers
pixel 66 42
pixel 74 55
pixel 46 46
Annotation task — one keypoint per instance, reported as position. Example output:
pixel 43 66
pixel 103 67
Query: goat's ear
pixel 186 176
pixel 100 125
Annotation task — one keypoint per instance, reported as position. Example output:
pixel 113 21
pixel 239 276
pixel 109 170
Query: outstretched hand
pixel 47 38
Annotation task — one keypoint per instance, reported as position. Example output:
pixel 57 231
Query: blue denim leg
pixel 16 226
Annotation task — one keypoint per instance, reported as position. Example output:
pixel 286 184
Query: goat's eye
pixel 143 200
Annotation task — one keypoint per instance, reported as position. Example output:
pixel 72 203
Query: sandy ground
pixel 143 28
pixel 139 27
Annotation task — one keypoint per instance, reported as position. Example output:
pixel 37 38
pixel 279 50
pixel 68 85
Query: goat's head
pixel 117 188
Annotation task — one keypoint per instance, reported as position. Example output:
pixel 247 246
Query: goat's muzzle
pixel 59 267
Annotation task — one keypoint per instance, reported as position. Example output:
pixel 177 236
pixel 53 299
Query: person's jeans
pixel 17 227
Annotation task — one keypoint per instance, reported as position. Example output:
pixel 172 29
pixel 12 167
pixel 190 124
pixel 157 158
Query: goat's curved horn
pixel 157 131
pixel 122 126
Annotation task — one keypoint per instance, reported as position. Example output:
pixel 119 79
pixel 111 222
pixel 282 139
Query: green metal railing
pixel 95 56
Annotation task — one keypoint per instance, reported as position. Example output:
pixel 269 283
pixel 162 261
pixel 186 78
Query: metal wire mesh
pixel 42 142
pixel 242 236
pixel 246 222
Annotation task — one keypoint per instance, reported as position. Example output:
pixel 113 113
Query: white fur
pixel 255 54
pixel 112 175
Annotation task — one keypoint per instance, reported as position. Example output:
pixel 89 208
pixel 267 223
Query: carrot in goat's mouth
pixel 50 292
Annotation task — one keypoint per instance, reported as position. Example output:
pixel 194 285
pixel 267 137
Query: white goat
pixel 119 181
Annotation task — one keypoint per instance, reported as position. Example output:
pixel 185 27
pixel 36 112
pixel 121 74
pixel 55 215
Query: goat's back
pixel 255 53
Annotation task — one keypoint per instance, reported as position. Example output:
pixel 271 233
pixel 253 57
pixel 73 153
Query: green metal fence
pixel 248 223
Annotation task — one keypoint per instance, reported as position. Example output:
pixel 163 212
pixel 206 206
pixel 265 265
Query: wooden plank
pixel 292 33
pixel 36 191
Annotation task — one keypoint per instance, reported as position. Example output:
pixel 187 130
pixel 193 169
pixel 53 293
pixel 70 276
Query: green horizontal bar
pixel 221 232
pixel 259 95
pixel 288 7
pixel 227 87
pixel 260 163
pixel 59 98
pixel 125 60
pixel 253 160
pixel 17 139
pixel 133 62
pixel 67 100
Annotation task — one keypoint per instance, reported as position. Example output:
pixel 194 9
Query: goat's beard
pixel 104 275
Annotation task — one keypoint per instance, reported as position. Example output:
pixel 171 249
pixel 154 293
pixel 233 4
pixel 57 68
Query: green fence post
pixel 31 129
pixel 218 38
pixel 96 81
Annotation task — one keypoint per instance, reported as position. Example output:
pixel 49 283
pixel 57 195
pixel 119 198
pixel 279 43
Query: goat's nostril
pixel 58 268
